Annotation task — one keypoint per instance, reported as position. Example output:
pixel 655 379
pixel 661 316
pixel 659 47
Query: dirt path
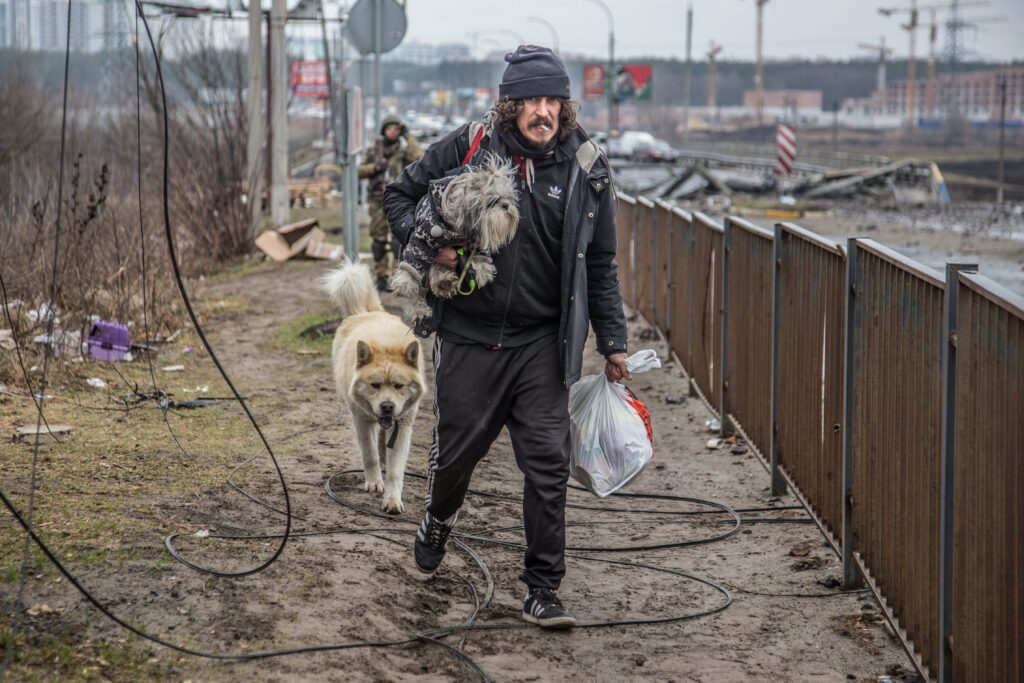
pixel 354 587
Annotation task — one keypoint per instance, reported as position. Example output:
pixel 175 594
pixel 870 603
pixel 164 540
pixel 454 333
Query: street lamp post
pixel 550 27
pixel 612 113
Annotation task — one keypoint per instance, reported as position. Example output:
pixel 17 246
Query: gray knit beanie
pixel 533 71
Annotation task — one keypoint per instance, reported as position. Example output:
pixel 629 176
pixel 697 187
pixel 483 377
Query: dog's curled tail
pixel 350 287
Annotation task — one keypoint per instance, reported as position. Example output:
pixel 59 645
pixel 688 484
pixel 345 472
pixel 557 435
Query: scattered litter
pixel 829 582
pixel 803 548
pixel 36 610
pixel 187 349
pixel 198 390
pixel 173 368
pixel 673 401
pixel 713 425
pixel 61 343
pixel 788 200
pixel 738 449
pixel 55 433
pixel 96 382
pixel 7 342
pixel 810 562
pixel 197 403
pixel 307 352
pixel 202 533
pixel 713 444
pixel 171 337
pixel 108 340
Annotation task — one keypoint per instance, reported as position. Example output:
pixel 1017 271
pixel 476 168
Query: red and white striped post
pixel 785 149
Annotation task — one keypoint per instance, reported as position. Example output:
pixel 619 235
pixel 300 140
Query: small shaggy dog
pixel 476 208
pixel 378 370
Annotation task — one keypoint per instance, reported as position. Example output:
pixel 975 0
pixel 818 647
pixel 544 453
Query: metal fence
pixel 807 351
pixel 894 408
pixel 888 397
pixel 982 600
pixel 746 332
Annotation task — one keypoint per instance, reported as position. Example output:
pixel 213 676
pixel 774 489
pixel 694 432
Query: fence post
pixel 723 408
pixel 854 285
pixel 653 247
pixel 947 466
pixel 689 307
pixel 633 232
pixel 778 481
pixel 669 280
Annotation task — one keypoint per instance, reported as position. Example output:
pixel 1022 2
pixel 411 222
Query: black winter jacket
pixel 589 291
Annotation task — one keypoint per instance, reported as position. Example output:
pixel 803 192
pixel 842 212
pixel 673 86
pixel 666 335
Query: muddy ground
pixel 107 499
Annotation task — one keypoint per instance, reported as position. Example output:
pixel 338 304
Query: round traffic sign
pixel 362 20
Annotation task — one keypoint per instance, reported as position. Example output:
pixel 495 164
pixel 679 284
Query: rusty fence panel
pixel 807 381
pixel 705 310
pixel 746 393
pixel 680 225
pixel 662 263
pixel 643 255
pixel 624 234
pixel 983 582
pixel 894 406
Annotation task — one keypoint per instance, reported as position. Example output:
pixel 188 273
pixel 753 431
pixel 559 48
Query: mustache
pixel 542 120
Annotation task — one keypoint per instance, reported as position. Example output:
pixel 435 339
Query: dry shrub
pixel 105 236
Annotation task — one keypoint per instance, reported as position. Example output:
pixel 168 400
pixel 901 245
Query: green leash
pixel 465 269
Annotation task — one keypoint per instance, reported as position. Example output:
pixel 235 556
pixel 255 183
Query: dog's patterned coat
pixel 477 208
pixel 431 231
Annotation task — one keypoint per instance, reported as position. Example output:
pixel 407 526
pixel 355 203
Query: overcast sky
pixel 804 28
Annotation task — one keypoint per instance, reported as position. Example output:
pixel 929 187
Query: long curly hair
pixel 506 110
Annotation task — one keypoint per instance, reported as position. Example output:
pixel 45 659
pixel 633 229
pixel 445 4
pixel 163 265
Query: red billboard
pixel 632 82
pixel 309 79
pixel 593 82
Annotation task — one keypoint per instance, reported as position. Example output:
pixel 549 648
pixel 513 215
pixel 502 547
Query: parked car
pixel 624 144
pixel 659 151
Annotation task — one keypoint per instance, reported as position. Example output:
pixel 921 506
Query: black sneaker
pixel 542 607
pixel 431 541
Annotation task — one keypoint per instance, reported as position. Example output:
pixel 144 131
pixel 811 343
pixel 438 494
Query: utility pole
pixel 254 105
pixel 1002 135
pixel 759 73
pixel 689 71
pixel 279 115
pixel 378 21
pixel 712 73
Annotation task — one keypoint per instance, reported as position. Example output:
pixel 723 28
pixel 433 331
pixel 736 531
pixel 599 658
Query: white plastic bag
pixel 611 429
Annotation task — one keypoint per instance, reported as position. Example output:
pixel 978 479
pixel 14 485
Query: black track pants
pixel 480 390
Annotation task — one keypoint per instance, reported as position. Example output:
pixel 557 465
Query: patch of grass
pixel 59 653
pixel 287 337
pixel 247 267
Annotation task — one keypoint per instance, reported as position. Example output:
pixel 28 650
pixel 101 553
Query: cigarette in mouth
pixel 544 127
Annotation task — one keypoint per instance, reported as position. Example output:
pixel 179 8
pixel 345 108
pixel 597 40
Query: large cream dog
pixel 378 370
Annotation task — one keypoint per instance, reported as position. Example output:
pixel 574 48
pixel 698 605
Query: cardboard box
pixel 288 241
pixel 304 238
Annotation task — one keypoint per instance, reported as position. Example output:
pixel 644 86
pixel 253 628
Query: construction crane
pixel 883 53
pixel 911 28
pixel 712 54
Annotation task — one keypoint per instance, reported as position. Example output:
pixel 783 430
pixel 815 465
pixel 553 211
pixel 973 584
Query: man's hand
pixel 381 165
pixel 615 367
pixel 446 256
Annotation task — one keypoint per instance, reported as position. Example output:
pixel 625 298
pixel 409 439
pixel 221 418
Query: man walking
pixel 506 354
pixel 392 152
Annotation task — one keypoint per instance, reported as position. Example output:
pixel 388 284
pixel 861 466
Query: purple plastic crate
pixel 108 341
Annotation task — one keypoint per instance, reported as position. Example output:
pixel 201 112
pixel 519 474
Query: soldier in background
pixel 392 152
